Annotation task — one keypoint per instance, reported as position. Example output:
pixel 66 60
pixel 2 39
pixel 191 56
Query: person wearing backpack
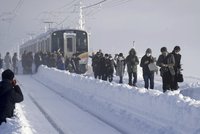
pixel 10 93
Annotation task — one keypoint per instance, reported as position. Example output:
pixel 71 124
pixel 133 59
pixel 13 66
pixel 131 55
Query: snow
pixel 60 102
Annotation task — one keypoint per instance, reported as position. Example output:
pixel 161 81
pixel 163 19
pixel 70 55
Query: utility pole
pixel 81 18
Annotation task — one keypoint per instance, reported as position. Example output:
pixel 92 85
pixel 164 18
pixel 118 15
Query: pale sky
pixel 113 26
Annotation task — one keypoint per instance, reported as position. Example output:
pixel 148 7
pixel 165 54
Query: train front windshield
pixel 81 42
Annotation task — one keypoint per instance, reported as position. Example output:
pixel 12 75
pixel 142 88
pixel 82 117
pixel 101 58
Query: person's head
pixel 148 52
pixel 106 56
pixel 177 49
pixel 164 51
pixel 7 75
pixel 120 55
pixel 7 53
pixel 132 52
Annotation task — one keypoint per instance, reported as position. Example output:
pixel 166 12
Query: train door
pixel 69 44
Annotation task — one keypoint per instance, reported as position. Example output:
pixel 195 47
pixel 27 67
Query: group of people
pixel 169 62
pixel 10 62
pixel 103 68
pixel 55 59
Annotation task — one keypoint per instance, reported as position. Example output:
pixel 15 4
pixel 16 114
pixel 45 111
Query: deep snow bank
pixel 173 112
pixel 192 92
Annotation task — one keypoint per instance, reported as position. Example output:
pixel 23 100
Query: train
pixel 66 41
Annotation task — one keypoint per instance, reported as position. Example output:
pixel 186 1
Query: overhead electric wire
pixel 18 6
pixel 115 3
pixel 66 5
pixel 94 4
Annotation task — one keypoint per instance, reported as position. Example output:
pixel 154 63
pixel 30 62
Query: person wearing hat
pixel 10 93
pixel 177 66
pixel 166 63
pixel 148 75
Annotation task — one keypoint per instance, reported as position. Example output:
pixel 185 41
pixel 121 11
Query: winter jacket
pixel 177 58
pixel 132 62
pixel 14 61
pixel 109 66
pixel 167 60
pixel 7 61
pixel 75 63
pixel 9 95
pixel 144 66
pixel 120 66
pixel 61 63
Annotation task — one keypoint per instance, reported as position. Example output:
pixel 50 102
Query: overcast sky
pixel 113 26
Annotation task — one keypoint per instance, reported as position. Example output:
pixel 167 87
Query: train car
pixel 66 41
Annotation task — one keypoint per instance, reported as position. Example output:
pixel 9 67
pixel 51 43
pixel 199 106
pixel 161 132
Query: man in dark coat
pixel 10 93
pixel 37 60
pixel 166 62
pixel 147 74
pixel 132 62
pixel 75 63
pixel 96 65
pixel 177 66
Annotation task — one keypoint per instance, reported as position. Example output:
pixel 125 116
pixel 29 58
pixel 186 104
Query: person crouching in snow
pixel 10 93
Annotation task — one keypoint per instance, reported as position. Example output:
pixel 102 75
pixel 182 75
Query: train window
pixel 69 45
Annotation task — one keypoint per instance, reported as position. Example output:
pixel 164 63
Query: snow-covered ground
pixel 57 102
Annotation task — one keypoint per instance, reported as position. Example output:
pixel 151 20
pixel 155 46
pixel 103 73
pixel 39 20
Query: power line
pixel 66 5
pixel 94 4
pixel 116 3
pixel 18 6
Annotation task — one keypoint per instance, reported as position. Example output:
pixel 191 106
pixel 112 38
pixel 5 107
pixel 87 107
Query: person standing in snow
pixel 60 62
pixel 75 63
pixel 10 93
pixel 147 74
pixel 7 61
pixel 29 62
pixel 37 60
pixel 177 66
pixel 109 68
pixel 96 65
pixel 166 63
pixel 120 66
pixel 132 62
pixel 15 62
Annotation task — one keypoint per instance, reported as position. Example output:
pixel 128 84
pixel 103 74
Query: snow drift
pixel 127 108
